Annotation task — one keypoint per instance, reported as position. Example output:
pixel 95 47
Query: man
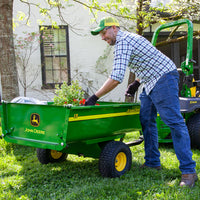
pixel 160 93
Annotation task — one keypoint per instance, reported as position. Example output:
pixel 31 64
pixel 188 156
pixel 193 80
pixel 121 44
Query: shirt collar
pixel 119 35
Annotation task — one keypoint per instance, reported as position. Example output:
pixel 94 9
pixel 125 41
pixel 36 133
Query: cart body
pixel 77 130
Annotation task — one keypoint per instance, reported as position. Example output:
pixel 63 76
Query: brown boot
pixel 188 180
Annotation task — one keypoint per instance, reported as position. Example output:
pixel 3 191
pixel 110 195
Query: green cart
pixel 90 131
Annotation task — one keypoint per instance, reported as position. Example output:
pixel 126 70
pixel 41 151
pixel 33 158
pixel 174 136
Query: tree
pixel 24 49
pixel 9 80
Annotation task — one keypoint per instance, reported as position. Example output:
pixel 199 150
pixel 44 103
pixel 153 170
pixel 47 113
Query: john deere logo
pixel 35 119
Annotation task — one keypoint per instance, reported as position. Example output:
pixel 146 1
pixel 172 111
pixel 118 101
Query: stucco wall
pixel 85 51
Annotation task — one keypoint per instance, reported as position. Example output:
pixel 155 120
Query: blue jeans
pixel 164 99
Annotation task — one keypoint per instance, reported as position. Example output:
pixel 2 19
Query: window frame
pixel 46 85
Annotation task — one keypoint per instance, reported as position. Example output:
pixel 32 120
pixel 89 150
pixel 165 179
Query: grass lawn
pixel 23 177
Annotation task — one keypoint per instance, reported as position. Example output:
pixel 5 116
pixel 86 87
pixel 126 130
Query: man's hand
pixel 91 100
pixel 132 88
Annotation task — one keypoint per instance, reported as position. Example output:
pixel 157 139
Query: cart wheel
pixel 47 155
pixel 115 159
pixel 193 125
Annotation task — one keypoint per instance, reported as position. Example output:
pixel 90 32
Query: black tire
pixel 46 156
pixel 193 124
pixel 115 159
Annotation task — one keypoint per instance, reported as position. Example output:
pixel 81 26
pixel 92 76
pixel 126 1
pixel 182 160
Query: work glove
pixel 91 100
pixel 132 88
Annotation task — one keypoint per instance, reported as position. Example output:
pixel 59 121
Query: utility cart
pixel 90 131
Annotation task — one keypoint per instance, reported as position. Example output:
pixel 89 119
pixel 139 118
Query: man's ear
pixel 115 29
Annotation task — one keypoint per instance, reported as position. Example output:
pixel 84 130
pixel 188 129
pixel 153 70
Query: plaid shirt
pixel 142 58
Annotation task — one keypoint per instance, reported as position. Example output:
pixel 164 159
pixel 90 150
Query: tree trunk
pixel 8 69
pixel 139 30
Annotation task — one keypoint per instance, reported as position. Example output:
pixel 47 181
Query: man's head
pixel 107 28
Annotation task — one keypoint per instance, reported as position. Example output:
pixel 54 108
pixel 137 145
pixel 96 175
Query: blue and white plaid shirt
pixel 142 58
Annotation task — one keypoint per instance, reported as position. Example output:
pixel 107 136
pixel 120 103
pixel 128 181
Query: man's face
pixel 109 35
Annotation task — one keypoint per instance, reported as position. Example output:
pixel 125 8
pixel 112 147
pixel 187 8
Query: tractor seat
pixel 189 104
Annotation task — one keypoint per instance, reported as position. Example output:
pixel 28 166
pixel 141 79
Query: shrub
pixel 69 94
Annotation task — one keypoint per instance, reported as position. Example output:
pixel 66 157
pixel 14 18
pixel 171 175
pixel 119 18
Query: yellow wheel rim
pixel 56 154
pixel 120 161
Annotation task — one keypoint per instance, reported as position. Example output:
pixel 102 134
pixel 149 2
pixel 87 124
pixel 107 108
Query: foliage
pixel 25 46
pixel 186 9
pixel 69 94
pixel 143 13
pixel 26 42
pixel 23 177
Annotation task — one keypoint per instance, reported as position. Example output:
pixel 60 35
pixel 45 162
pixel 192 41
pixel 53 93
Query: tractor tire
pixel 193 124
pixel 46 156
pixel 115 159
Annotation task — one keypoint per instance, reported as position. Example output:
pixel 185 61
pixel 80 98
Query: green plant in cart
pixel 69 94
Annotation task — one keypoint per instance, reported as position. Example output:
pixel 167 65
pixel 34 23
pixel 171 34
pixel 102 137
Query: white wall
pixel 85 50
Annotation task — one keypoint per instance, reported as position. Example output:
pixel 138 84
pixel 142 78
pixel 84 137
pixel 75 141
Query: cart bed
pixel 57 127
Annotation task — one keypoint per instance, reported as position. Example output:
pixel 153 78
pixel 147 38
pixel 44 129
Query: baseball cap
pixel 106 21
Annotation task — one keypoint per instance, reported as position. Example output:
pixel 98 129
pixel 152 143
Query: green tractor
pixel 189 98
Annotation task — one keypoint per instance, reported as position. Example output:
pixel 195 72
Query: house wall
pixel 90 57
pixel 85 52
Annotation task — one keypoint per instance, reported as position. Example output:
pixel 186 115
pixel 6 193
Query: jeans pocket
pixel 165 92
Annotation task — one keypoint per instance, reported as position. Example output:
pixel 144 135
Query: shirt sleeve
pixel 121 60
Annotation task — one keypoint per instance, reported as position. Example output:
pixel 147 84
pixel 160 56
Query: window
pixel 55 56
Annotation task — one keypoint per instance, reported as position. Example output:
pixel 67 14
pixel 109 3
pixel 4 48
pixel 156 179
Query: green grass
pixel 23 177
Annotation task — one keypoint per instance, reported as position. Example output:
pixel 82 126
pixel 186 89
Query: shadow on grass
pixel 79 178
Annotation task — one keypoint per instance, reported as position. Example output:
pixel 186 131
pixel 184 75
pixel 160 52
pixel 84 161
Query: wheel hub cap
pixel 120 161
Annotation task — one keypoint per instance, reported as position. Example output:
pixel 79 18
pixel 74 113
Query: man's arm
pixel 109 85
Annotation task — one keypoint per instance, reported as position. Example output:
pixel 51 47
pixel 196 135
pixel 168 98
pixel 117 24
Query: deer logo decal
pixel 35 119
